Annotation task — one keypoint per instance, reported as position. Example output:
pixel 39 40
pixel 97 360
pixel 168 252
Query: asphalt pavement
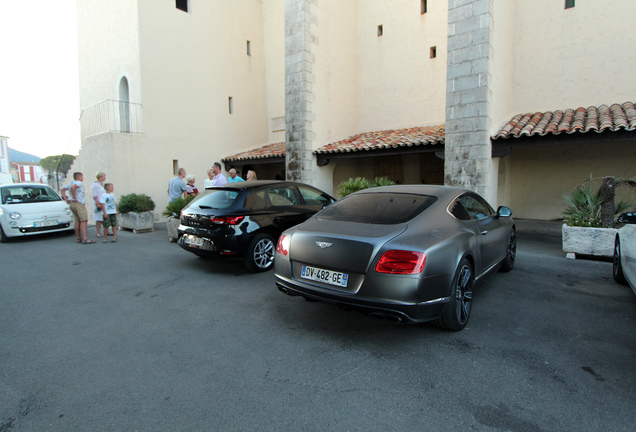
pixel 140 335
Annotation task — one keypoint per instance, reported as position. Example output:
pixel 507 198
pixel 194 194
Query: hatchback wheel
pixel 457 311
pixel 617 267
pixel 260 254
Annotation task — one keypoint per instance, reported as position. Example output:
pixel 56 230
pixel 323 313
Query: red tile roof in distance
pixel 265 152
pixel 570 121
pixel 387 139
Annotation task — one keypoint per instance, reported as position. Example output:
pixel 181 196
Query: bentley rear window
pixel 378 208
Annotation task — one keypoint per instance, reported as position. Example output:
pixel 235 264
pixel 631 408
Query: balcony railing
pixel 111 116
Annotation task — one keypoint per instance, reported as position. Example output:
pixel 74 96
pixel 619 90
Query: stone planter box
pixel 173 228
pixel 588 241
pixel 137 222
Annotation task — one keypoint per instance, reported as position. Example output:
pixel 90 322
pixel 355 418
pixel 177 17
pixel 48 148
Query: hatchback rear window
pixel 215 199
pixel 378 208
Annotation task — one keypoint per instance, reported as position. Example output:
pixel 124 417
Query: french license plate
pixel 194 241
pixel 325 276
pixel 45 223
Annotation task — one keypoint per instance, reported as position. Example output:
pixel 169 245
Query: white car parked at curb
pixel 624 268
pixel 30 209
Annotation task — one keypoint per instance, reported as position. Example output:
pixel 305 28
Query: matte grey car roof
pixel 442 192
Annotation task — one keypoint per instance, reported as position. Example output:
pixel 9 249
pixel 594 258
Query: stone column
pixel 467 147
pixel 299 79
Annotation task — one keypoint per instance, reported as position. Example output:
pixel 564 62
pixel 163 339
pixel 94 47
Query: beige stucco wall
pixel 274 48
pixel 546 58
pixel 334 70
pixel 365 82
pixel 540 175
pixel 191 64
pixel 108 49
pixel 399 85
pixel 562 58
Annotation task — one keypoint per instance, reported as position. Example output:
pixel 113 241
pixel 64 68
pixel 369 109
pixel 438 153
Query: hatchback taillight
pixel 283 245
pixel 227 220
pixel 401 262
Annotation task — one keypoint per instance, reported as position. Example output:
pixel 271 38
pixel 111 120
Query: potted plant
pixel 136 213
pixel 590 218
pixel 173 212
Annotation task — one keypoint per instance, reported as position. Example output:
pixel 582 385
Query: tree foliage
pixel 51 163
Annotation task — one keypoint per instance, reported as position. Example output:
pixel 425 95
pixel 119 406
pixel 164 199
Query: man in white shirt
pixel 219 178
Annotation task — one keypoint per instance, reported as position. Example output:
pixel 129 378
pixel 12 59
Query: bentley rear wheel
pixel 457 312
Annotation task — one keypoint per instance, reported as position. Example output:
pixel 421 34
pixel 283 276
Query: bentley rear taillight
pixel 283 245
pixel 401 262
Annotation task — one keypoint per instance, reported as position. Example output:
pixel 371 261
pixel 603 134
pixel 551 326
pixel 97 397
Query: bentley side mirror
pixel 504 211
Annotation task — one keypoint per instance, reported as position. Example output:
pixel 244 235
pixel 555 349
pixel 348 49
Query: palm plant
pixel 357 184
pixel 586 208
pixel 352 185
pixel 173 209
pixel 381 181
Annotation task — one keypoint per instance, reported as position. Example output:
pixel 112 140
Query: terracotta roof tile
pixel 579 120
pixel 387 139
pixel 264 152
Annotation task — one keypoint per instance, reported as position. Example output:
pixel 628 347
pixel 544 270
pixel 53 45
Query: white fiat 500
pixel 624 268
pixel 32 208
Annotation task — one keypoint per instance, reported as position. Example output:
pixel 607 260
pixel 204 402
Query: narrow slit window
pixel 569 4
pixel 423 7
pixel 175 166
pixel 380 30
pixel 249 48
pixel 230 103
pixel 433 52
pixel 182 5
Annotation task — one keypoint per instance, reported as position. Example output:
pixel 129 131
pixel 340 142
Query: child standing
pixel 110 211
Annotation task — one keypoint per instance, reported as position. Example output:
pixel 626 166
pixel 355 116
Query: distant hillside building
pixel 520 101
pixel 27 172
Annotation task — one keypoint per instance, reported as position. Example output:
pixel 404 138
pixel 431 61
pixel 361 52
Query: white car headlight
pixel 15 215
pixel 67 211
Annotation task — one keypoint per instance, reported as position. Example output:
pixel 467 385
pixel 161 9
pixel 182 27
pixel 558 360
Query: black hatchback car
pixel 245 219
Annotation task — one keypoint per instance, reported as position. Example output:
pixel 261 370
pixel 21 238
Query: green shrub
pixel 135 203
pixel 359 183
pixel 173 209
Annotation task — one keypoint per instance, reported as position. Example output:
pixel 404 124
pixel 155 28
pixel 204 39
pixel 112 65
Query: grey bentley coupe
pixel 407 253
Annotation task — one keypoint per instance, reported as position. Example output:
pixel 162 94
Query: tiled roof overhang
pixel 416 138
pixel 422 139
pixel 570 126
pixel 267 153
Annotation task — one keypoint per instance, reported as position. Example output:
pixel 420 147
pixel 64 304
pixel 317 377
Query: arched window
pixel 124 106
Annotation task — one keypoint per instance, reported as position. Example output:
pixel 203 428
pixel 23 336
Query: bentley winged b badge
pixel 323 245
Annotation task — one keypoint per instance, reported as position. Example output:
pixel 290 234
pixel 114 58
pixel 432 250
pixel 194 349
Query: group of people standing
pixel 105 213
pixel 178 188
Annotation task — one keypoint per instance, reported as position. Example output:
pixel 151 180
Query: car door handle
pixel 483 232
